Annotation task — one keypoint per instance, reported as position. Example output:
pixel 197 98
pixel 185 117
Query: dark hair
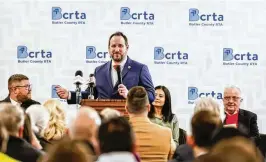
pixel 116 135
pixel 226 133
pixel 167 107
pixel 137 100
pixel 16 78
pixel 27 131
pixel 118 33
pixel 203 124
pixel 26 104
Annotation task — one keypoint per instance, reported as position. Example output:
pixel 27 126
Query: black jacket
pixel 25 104
pixel 21 150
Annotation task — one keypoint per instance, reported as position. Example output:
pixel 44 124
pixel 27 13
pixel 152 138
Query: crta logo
pixel 22 52
pixel 126 15
pixel 193 94
pixel 228 55
pixel 92 54
pixel 194 15
pixel 159 54
pixel 57 14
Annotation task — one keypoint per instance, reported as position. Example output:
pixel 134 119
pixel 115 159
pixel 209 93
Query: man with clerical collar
pixel 241 119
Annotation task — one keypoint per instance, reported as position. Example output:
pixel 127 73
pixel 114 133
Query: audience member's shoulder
pixel 30 149
pixel 248 113
pixel 161 128
pixel 174 118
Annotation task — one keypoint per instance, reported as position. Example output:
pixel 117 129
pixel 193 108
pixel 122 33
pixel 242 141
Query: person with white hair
pixel 39 116
pixel 13 120
pixel 185 152
pixel 242 119
pixel 207 103
pixel 85 127
pixel 109 113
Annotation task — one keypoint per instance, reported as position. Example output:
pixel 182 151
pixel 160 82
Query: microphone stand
pixel 78 95
pixel 91 92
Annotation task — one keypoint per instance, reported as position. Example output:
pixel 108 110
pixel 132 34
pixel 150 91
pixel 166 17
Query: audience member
pixel 68 151
pixel 56 127
pixel 185 152
pixel 161 111
pixel 109 113
pixel 153 142
pixel 17 148
pixel 19 89
pixel 85 127
pixel 240 118
pixel 235 149
pixel 28 133
pixel 116 141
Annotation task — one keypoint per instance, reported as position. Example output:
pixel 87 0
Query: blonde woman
pixel 56 127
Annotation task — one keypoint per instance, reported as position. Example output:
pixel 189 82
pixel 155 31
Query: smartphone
pixel 54 94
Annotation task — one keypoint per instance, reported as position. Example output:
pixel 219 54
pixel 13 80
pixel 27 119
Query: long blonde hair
pixel 56 126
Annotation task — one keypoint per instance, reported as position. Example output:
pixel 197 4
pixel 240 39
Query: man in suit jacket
pixel 153 142
pixel 242 119
pixel 19 89
pixel 108 84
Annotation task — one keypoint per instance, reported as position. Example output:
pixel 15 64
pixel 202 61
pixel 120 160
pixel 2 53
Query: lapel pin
pixel 129 67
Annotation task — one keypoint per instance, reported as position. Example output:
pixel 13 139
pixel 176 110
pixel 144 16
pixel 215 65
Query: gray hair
pixel 12 117
pixel 109 113
pixel 207 103
pixel 233 87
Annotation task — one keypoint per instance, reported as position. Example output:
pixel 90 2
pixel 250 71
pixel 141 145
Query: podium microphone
pixel 118 70
pixel 78 81
pixel 91 85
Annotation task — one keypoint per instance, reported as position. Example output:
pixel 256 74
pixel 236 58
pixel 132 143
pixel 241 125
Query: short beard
pixel 22 98
pixel 118 59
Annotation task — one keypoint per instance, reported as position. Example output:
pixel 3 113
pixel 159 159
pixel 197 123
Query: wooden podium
pixel 101 104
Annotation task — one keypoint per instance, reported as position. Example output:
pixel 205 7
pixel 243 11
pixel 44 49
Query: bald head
pixel 86 124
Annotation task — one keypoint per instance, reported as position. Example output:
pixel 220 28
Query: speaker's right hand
pixel 62 92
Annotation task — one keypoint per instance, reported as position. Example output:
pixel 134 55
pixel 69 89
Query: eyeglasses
pixel 29 86
pixel 234 98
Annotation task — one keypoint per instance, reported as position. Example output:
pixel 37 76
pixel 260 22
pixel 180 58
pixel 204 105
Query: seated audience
pixel 235 149
pixel 28 133
pixel 68 151
pixel 56 127
pixel 3 144
pixel 207 103
pixel 185 152
pixel 85 127
pixel 161 111
pixel 153 142
pixel 116 140
pixel 19 89
pixel 17 148
pixel 240 118
pixel 39 116
pixel 109 113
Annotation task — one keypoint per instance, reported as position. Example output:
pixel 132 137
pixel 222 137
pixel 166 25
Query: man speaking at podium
pixel 117 76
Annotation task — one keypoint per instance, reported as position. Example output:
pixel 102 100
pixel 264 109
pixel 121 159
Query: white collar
pixel 13 102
